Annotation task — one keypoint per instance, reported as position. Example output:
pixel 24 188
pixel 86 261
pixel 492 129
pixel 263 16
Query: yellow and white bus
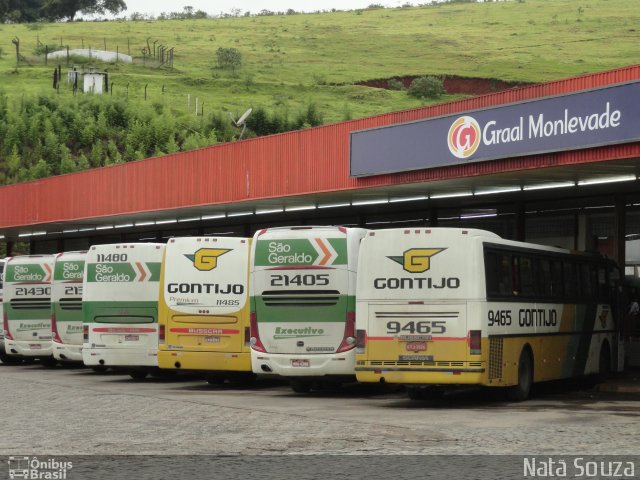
pixel 303 304
pixel 447 306
pixel 66 306
pixel 120 307
pixel 204 307
pixel 27 307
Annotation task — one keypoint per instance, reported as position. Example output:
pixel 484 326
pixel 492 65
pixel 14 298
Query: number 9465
pixel 499 318
pixel 425 326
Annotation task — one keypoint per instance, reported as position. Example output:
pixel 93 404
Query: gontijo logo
pixel 464 137
pixel 206 259
pixel 417 260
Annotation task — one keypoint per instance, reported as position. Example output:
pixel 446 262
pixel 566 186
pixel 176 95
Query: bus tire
pixel 604 363
pixel 521 390
pixel 138 374
pixel 300 386
pixel 10 359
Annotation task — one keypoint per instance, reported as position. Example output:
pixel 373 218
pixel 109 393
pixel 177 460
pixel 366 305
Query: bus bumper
pixel 205 361
pixel 119 357
pixel 36 349
pixel 316 365
pixel 66 352
pixel 432 377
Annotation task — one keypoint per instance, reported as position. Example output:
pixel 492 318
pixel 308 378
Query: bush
pixel 426 87
pixel 229 58
pixel 395 84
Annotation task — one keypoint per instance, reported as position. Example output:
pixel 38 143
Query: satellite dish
pixel 242 121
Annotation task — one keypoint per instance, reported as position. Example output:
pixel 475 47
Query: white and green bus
pixel 446 307
pixel 120 307
pixel 3 355
pixel 27 307
pixel 303 283
pixel 66 306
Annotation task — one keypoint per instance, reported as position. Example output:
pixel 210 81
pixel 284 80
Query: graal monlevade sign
pixel 591 118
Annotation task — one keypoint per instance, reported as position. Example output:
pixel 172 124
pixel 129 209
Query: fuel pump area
pixel 555 163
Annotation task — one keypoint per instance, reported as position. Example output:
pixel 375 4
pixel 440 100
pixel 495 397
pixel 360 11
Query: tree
pixel 20 11
pixel 67 9
pixel 229 58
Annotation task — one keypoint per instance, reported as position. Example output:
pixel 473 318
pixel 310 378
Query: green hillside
pixel 294 63
pixel 295 59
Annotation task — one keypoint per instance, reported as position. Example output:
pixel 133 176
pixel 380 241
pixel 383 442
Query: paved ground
pixel 67 411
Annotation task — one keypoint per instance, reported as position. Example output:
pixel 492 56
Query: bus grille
pixel 71 303
pixel 30 303
pixel 301 298
pixel 495 357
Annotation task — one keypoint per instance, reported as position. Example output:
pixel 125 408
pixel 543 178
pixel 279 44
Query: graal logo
pixel 32 467
pixel 417 260
pixel 206 259
pixel 464 137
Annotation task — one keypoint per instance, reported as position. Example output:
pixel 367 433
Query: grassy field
pixel 292 61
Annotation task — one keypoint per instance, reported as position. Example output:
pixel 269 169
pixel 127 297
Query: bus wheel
pixel 138 374
pixel 300 386
pixel 604 363
pixel 10 359
pixel 520 391
pixel 99 368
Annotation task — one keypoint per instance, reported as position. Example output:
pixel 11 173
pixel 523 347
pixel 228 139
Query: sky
pixel 155 7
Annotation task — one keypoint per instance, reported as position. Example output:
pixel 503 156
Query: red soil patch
pixel 452 84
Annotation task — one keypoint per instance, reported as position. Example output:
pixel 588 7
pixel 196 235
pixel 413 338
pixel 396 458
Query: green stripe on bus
pixel 25 273
pixel 122 272
pixel 90 309
pixel 300 252
pixel 31 314
pixel 65 315
pixel 69 270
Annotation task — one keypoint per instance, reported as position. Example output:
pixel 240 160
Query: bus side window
pixel 588 291
pixel 569 277
pixel 491 273
pixel 498 274
pixel 504 265
pixel 527 277
pixel 557 287
pixel 515 276
pixel 545 280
